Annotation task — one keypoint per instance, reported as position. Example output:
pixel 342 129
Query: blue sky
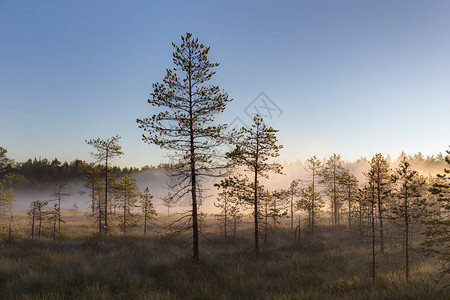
pixel 351 77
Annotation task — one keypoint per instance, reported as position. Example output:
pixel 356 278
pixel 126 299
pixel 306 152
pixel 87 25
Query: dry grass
pixel 336 264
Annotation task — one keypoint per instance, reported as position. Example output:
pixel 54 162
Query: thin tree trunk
pixel 292 211
pixel 309 221
pixel 40 223
pixel 349 207
pixel 124 213
pixel 256 195
pixel 59 210
pixel 360 219
pixel 406 234
pixel 373 239
pixel 266 223
pixel 313 205
pixel 54 231
pixel 32 222
pixel 193 169
pixel 106 193
pixel 100 227
pixel 226 220
pixel 380 210
pixel 145 218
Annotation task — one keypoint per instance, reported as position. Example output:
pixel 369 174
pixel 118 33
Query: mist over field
pixel 157 180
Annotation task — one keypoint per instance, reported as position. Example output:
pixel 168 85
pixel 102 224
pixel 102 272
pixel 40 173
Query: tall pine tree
pixel 185 125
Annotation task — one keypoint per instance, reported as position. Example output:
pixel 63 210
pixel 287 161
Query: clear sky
pixel 351 77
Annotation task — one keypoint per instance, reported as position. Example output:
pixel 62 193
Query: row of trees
pixel 184 126
pixel 109 196
pixel 123 212
pixel 403 198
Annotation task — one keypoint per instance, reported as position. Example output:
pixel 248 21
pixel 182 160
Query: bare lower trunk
pixel 349 208
pixel 380 213
pixel 100 227
pixel 226 220
pixel 145 220
pixel 313 208
pixel 373 241
pixel 194 217
pixel 59 211
pixel 106 195
pixel 406 235
pixel 32 225
pixel 292 213
pixel 266 223
pixel 255 212
pixel 54 231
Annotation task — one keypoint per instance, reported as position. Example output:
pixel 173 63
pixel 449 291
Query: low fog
pixel 158 182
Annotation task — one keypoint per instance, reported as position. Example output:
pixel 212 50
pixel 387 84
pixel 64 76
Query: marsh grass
pixel 82 265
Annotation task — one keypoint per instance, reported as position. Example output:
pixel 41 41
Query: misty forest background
pixel 223 218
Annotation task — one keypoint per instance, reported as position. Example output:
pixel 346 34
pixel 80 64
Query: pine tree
pixel 106 150
pixel 238 194
pixel 293 192
pixel 58 197
pixel 331 176
pixel 254 147
pixel 92 182
pixel 372 226
pixel 311 202
pixel 4 201
pixel 37 214
pixel 169 201
pixel 314 170
pixel 362 199
pixel 265 213
pixel 6 164
pixel 279 205
pixel 381 178
pixel 349 190
pixel 185 124
pixel 225 203
pixel 148 210
pixel 437 233
pixel 54 218
pixel 410 205
pixel 126 195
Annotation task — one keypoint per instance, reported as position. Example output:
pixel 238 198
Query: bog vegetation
pixel 325 235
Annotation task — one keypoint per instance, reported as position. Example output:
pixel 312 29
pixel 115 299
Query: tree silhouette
pixel 147 209
pixel 254 147
pixel 127 193
pixel 437 234
pixel 410 206
pixel 106 150
pixel 381 178
pixel 185 126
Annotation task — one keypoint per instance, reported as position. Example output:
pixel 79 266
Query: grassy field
pixel 335 264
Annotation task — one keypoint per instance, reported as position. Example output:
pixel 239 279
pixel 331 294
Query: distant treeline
pixel 39 172
pixel 35 173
